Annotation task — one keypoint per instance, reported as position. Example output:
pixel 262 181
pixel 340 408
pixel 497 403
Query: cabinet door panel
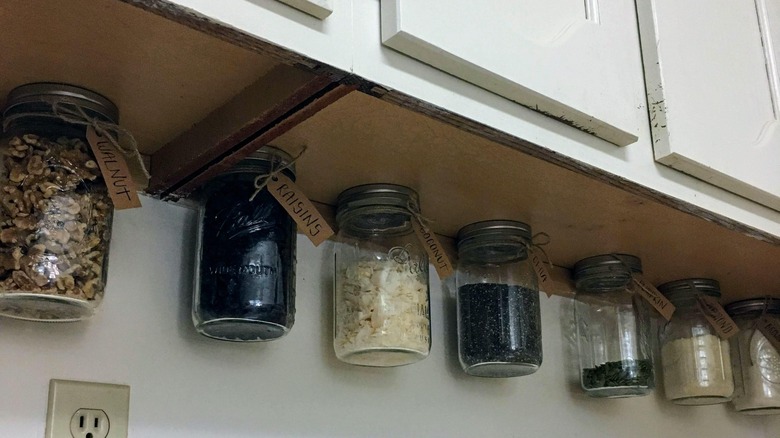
pixel 712 82
pixel 564 58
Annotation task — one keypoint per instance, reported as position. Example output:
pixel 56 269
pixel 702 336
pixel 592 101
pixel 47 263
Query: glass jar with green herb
pixel 613 327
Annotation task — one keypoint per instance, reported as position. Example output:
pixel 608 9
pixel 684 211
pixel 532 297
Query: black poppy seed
pixel 499 330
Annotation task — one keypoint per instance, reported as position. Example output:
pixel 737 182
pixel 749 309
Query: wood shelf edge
pixel 301 103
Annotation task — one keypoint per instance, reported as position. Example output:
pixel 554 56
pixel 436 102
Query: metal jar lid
pixel 605 272
pixel 687 288
pixel 493 229
pixel 27 98
pixel 372 208
pixel 265 159
pixel 375 195
pixel 494 240
pixel 754 306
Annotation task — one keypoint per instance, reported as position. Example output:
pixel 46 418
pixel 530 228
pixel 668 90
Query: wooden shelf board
pixel 163 76
pixel 224 136
pixel 463 178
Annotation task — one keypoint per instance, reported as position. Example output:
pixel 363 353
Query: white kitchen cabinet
pixel 322 41
pixel 350 40
pixel 712 84
pixel 317 8
pixel 569 59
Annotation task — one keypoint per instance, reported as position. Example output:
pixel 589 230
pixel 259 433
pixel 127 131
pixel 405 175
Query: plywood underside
pixel 463 178
pixel 163 76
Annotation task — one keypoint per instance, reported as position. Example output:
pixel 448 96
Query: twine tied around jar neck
pixel 414 209
pixel 538 241
pixel 262 180
pixel 622 262
pixel 75 115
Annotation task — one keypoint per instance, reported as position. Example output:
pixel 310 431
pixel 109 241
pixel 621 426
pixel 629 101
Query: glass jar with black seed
pixel 613 328
pixel 499 321
pixel 381 297
pixel 245 269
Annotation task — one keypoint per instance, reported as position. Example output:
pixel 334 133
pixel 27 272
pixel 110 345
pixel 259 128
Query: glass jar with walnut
pixel 55 213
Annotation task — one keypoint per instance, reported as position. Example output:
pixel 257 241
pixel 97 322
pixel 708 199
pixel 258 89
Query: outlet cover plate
pixel 68 396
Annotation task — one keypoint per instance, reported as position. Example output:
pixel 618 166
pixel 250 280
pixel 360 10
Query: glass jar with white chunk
pixel 382 315
pixel 55 213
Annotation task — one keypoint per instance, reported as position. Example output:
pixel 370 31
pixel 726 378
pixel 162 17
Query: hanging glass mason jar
pixel 499 321
pixel 696 363
pixel 245 273
pixel 755 362
pixel 56 213
pixel 613 327
pixel 382 315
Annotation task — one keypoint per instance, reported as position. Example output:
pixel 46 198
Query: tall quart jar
pixel 55 210
pixel 499 322
pixel 613 328
pixel 755 362
pixel 696 363
pixel 245 269
pixel 382 315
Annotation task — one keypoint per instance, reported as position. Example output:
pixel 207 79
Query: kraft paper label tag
pixel 309 220
pixel 546 282
pixel 113 167
pixel 653 296
pixel 717 317
pixel 436 254
pixel 771 330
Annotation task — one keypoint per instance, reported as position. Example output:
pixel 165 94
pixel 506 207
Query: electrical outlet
pixel 89 423
pixel 87 410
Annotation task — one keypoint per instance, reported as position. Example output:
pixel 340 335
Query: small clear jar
pixel 755 362
pixel 381 299
pixel 695 361
pixel 245 269
pixel 54 206
pixel 499 321
pixel 613 328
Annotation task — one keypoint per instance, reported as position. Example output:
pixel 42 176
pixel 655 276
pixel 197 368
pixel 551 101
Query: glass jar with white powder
pixel 756 362
pixel 695 361
pixel 381 299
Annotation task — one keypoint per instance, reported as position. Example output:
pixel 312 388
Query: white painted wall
pixel 185 386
